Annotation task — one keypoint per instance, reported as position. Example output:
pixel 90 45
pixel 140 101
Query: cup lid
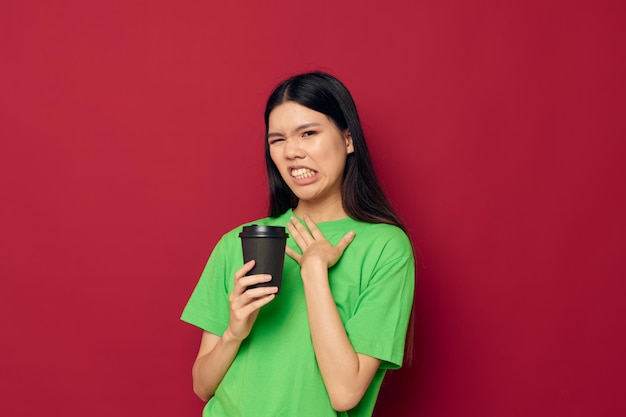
pixel 263 231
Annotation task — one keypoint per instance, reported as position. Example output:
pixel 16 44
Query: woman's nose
pixel 293 149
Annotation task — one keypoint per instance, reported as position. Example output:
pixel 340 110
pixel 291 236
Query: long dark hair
pixel 362 196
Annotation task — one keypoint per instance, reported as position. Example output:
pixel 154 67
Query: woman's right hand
pixel 245 304
pixel 217 353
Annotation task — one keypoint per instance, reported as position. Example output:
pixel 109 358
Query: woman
pixel 321 347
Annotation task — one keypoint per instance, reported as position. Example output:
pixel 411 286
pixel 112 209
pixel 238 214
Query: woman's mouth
pixel 302 173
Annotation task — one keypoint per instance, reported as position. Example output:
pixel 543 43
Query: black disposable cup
pixel 266 245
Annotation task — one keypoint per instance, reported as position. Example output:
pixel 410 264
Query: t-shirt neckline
pixel 330 225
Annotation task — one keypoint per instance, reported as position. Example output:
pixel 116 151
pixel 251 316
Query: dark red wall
pixel 131 138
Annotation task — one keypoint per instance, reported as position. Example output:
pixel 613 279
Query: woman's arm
pixel 346 374
pixel 216 353
pixel 215 356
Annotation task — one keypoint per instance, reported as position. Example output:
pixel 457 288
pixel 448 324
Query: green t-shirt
pixel 275 372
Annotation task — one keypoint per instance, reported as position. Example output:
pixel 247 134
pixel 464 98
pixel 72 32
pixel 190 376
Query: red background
pixel 132 136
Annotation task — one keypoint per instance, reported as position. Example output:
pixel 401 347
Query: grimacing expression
pixel 309 151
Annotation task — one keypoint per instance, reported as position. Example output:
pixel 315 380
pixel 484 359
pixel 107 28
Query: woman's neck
pixel 326 212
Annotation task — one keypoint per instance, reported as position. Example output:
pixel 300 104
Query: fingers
pixel 345 241
pixel 293 254
pixel 305 238
pixel 245 307
pixel 252 307
pixel 242 297
pixel 247 267
pixel 315 231
pixel 299 233
pixel 255 295
pixel 245 303
pixel 243 281
pixel 258 292
pixel 240 275
pixel 250 280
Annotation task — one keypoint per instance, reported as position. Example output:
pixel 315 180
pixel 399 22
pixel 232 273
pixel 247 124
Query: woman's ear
pixel 349 144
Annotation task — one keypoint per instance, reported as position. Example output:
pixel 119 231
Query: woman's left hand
pixel 315 247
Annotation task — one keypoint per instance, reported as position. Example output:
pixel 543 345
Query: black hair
pixel 362 196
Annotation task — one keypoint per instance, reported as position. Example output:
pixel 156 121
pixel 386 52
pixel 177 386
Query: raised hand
pixel 316 249
pixel 245 304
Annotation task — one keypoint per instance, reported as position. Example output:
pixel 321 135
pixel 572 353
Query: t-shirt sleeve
pixel 379 324
pixel 208 307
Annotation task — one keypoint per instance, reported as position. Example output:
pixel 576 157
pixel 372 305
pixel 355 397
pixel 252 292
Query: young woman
pixel 321 347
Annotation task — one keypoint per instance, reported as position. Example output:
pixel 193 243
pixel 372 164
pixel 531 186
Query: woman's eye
pixel 308 133
pixel 276 140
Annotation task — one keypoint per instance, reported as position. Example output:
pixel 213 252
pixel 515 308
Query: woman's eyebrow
pixel 297 129
pixel 272 134
pixel 306 126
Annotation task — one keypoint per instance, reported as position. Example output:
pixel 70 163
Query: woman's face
pixel 309 151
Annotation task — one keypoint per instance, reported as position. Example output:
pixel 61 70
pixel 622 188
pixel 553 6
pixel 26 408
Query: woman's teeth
pixel 301 173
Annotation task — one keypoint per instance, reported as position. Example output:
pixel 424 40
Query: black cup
pixel 266 245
